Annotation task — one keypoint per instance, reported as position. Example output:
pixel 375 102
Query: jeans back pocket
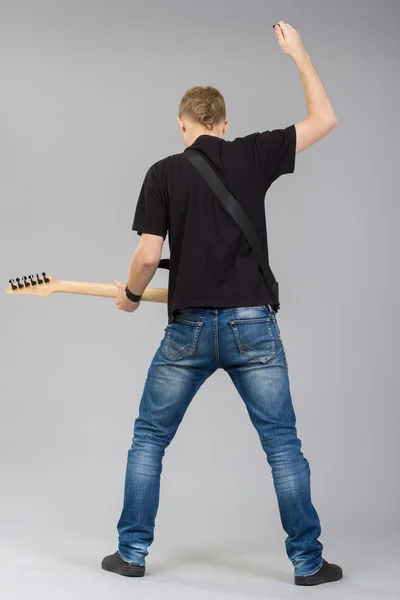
pixel 181 337
pixel 254 337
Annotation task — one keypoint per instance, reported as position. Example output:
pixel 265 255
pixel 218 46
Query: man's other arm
pixel 321 118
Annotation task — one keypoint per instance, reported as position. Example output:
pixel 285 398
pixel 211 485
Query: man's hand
pixel 122 301
pixel 289 39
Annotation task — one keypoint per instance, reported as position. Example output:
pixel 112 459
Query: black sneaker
pixel 114 563
pixel 328 572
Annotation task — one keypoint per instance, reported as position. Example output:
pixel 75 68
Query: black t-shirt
pixel 211 263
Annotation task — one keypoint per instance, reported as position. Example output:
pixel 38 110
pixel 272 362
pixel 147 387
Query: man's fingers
pixel 278 32
pixel 284 29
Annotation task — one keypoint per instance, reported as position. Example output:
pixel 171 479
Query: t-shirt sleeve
pixel 151 212
pixel 272 152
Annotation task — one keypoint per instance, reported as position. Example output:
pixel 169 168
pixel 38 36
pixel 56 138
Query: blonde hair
pixel 203 104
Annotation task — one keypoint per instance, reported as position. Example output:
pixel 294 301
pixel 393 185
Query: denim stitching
pixel 280 339
pixel 216 341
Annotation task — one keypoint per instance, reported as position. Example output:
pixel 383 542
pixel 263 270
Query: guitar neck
pixel 108 290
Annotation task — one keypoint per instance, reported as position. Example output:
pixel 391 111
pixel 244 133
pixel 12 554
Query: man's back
pixel 211 262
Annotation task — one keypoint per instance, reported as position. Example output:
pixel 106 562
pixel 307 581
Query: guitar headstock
pixel 42 285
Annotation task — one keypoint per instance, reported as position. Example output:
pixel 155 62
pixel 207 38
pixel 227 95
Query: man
pixel 220 312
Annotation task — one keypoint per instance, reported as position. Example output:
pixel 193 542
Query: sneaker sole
pixel 312 580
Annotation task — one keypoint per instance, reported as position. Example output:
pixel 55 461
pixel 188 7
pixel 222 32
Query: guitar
pixel 45 285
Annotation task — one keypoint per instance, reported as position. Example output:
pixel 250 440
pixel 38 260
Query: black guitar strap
pixel 233 207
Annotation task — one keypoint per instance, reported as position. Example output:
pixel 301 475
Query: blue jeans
pixel 246 342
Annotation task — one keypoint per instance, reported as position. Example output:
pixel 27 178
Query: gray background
pixel 89 97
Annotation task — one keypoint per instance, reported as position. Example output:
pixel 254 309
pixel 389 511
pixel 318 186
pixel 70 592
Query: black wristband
pixel 132 296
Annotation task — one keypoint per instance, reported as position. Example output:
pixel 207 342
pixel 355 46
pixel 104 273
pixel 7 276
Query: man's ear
pixel 226 126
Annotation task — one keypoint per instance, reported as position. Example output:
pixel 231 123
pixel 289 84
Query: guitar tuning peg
pixel 14 287
pixel 46 279
pixel 33 282
pixel 26 282
pixel 17 279
pixel 38 279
